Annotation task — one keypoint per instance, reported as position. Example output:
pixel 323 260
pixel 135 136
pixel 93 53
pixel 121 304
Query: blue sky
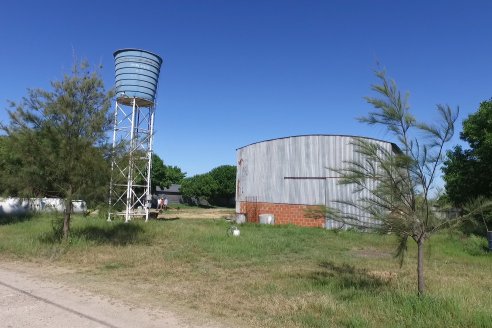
pixel 237 72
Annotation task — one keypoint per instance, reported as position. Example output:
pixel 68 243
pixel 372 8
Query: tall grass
pixel 269 276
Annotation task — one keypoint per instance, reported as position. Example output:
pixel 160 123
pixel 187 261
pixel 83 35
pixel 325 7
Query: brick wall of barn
pixel 283 213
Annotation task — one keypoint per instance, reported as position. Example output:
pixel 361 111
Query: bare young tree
pixel 402 201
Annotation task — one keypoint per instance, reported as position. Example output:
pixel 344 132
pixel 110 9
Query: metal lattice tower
pixel 137 73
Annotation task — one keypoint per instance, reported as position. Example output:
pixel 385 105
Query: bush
pixel 475 245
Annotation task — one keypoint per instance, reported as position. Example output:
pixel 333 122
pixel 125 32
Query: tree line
pixel 216 187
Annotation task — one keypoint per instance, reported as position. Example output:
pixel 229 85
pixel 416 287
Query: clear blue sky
pixel 241 71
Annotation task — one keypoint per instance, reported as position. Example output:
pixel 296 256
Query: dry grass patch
pixel 270 276
pixel 177 212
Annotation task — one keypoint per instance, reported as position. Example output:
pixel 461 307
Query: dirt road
pixel 30 301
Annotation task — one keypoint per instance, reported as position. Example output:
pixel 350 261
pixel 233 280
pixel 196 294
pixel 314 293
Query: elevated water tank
pixel 136 74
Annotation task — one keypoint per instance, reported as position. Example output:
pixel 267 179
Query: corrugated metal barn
pixel 286 176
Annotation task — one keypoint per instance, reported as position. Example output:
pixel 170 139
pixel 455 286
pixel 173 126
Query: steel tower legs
pixel 131 160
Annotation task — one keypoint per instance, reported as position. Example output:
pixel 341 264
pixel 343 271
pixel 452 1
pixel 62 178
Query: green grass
pixel 270 276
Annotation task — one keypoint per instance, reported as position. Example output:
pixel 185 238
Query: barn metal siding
pixel 264 166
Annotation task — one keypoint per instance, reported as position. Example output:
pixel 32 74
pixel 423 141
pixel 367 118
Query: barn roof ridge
pixel 320 135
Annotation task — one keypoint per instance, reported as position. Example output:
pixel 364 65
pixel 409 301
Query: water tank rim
pixel 145 90
pixel 136 49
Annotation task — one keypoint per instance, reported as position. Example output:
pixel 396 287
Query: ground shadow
pixel 114 234
pixel 12 219
pixel 347 276
pixel 118 234
pixel 168 219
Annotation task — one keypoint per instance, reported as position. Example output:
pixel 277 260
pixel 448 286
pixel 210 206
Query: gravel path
pixel 27 301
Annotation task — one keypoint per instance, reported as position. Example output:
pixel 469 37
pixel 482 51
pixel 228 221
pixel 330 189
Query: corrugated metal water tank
pixel 267 219
pixel 136 73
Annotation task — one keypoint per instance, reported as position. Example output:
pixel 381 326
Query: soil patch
pixel 195 213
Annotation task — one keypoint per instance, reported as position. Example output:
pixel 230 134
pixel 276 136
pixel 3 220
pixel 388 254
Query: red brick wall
pixel 284 213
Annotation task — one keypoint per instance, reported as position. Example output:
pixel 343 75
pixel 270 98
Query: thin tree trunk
pixel 66 217
pixel 420 266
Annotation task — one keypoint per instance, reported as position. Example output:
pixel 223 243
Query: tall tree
pixel 200 186
pixel 467 171
pixel 165 175
pixel 4 169
pixel 225 177
pixel 60 137
pixel 217 187
pixel 401 202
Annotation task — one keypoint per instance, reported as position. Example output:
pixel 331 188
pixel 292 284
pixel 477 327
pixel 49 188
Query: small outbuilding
pixel 287 176
pixel 173 193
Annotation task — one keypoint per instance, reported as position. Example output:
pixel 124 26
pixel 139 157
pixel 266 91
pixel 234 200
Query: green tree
pixel 467 171
pixel 217 187
pixel 4 168
pixel 164 175
pixel 401 202
pixel 59 136
pixel 225 177
pixel 199 187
